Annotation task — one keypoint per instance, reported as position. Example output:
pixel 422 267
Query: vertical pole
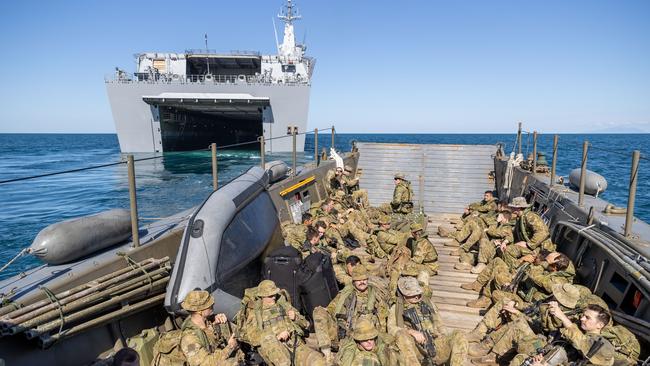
pixel 519 139
pixel 293 137
pixel 534 152
pixel 262 152
pixel 629 214
pixel 421 192
pixel 214 166
pixel 553 165
pixel 333 132
pixel 583 174
pixel 130 164
pixel 316 144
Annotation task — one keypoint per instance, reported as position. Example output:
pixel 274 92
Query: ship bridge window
pixel 288 68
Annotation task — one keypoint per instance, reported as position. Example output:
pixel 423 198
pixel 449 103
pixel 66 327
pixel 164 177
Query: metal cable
pixel 142 159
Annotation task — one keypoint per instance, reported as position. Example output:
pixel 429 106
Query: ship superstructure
pixel 185 101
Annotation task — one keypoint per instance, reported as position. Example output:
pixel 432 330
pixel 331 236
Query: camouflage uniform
pixel 469 235
pixel 402 200
pixel 487 250
pixel 357 194
pixel 484 206
pixel 411 269
pixel 294 234
pixel 200 346
pixel 583 342
pixel 424 253
pixel 265 322
pixel 390 238
pixel 368 304
pixel 352 354
pixel 451 348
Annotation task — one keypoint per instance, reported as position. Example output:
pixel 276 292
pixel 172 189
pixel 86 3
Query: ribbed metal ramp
pixel 453 176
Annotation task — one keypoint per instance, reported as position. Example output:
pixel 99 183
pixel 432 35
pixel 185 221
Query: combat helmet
pixel 519 202
pixel 409 286
pixel 267 288
pixel 364 330
pixel 197 300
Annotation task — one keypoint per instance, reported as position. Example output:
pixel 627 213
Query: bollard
pixel 262 152
pixel 294 129
pixel 583 173
pixel 534 152
pixel 629 214
pixel 214 166
pixel 519 139
pixel 130 164
pixel 555 138
pixel 316 145
pixel 333 132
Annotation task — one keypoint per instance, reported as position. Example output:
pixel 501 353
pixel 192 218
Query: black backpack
pixel 318 285
pixel 282 266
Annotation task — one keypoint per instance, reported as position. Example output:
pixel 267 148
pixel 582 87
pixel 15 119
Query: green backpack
pixel 143 343
pixel 625 343
pixel 167 350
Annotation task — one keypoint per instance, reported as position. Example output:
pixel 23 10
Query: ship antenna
pixel 288 47
pixel 207 58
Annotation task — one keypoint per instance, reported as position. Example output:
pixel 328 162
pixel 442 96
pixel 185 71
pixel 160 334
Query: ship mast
pixel 288 46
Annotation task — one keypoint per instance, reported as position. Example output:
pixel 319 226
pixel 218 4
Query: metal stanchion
pixel 316 145
pixel 534 152
pixel 215 182
pixel 262 152
pixel 583 174
pixel 519 139
pixel 555 138
pixel 333 132
pixel 294 130
pixel 629 214
pixel 132 199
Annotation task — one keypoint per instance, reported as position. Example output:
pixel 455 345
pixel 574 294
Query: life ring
pixel 208 77
pixel 175 76
pixel 241 77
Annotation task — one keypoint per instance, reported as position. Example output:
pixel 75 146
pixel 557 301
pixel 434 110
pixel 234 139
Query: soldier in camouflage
pixel 402 201
pixel 361 300
pixel 389 238
pixel 416 324
pixel 296 234
pixel 351 182
pixel 199 342
pixel 424 253
pixel 279 330
pixel 366 347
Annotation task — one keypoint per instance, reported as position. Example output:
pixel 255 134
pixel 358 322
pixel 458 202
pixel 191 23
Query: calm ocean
pixel 181 180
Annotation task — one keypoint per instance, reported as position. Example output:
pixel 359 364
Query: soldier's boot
pixel 478 333
pixel 463 266
pixel 452 243
pixel 480 349
pixel 478 268
pixel 482 302
pixel 446 231
pixel 472 286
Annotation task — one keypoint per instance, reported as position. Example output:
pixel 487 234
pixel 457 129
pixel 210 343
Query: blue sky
pixel 383 66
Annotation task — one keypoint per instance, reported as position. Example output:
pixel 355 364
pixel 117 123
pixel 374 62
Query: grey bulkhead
pixel 223 241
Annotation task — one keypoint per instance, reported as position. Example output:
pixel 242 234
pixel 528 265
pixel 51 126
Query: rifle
pixel 546 350
pixel 412 317
pixel 343 330
pixel 516 280
pixel 595 347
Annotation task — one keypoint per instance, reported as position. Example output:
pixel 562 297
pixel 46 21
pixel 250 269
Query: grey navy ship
pixel 186 101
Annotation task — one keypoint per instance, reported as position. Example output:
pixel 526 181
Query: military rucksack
pixel 167 350
pixel 143 344
pixel 625 343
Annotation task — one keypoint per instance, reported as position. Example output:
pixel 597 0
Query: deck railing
pixel 204 79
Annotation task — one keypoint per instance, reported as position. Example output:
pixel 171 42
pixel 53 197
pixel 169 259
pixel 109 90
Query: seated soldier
pixel 467 238
pixel 526 329
pixel 496 236
pixel 366 347
pixel 389 238
pixel 334 181
pixel 410 269
pixel 199 342
pixel 343 271
pixel 488 204
pixel 351 182
pixel 424 253
pixel 360 300
pixel 592 347
pixel 402 195
pixel 295 234
pixel 416 324
pixel 314 244
pixel 532 280
pixel 279 329
pixel 531 234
